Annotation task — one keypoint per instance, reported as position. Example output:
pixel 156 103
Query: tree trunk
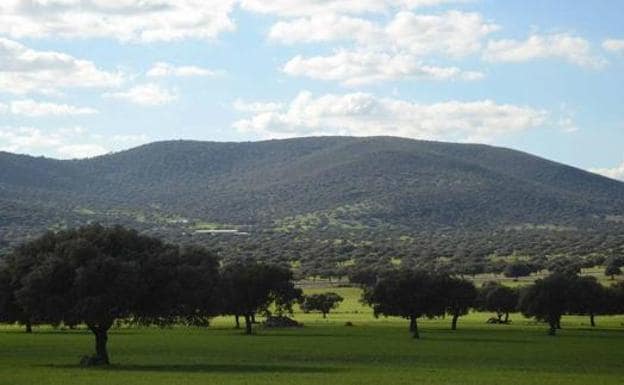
pixel 101 340
pixel 591 320
pixel 506 317
pixel 454 323
pixel 500 317
pixel 253 318
pixel 247 324
pixel 101 351
pixel 558 324
pixel 236 318
pixel 28 326
pixel 324 315
pixel 414 327
pixel 553 328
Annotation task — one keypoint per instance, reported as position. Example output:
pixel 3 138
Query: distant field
pixel 374 351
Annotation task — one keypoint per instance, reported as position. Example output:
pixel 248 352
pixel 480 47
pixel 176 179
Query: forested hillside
pixel 337 186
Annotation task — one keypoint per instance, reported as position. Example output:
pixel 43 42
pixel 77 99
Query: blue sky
pixel 84 77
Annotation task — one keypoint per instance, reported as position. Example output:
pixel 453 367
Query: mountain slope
pixel 398 182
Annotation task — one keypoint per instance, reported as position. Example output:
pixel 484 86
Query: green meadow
pixel 372 351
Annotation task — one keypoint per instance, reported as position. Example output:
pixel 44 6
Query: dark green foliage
pixel 616 302
pixel 459 296
pixel 589 297
pixel 408 294
pixel 96 275
pixel 364 277
pixel 323 302
pixel 518 269
pixel 352 186
pixel 612 270
pixel 249 288
pixel 548 299
pixel 497 298
pixel 565 265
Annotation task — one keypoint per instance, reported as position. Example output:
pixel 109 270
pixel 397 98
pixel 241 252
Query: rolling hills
pixel 375 182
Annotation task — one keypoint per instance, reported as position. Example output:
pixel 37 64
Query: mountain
pixel 374 182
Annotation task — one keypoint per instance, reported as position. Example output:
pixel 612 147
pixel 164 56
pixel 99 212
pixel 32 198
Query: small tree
pixel 323 302
pixel 548 299
pixel 251 287
pixel 96 275
pixel 10 310
pixel 407 294
pixel 612 270
pixel 517 269
pixel 588 297
pixel 459 295
pixel 497 298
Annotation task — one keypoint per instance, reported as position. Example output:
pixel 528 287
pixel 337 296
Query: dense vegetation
pixel 99 277
pixel 323 201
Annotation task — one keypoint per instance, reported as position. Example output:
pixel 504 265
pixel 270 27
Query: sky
pixel 81 78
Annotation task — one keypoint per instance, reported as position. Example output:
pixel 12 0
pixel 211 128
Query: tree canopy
pixel 96 275
pixel 323 302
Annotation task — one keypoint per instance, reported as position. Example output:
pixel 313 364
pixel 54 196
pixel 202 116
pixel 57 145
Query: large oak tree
pixel 97 275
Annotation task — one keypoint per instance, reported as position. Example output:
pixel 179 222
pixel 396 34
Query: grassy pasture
pixel 374 351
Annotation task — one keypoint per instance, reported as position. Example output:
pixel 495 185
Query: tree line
pixel 99 276
pixel 413 294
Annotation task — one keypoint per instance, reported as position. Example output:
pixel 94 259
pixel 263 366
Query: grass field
pixel 374 351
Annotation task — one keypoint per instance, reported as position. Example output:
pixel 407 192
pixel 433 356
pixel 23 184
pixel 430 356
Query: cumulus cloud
pixel 58 143
pixel 32 108
pixel 353 68
pixel 293 8
pixel 162 69
pixel 24 70
pixel 324 28
pixel 613 45
pixel 363 114
pixel 64 142
pixel 76 151
pixel 616 172
pixel 573 49
pixel 124 20
pixel 391 52
pixel 149 94
pixel 452 33
pixel 243 106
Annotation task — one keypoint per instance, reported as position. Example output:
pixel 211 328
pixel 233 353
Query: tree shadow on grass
pixel 207 368
pixel 272 334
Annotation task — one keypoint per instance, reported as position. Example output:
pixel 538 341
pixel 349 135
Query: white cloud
pixel 24 70
pixel 354 68
pixel 27 140
pixel 293 8
pixel 324 28
pixel 392 52
pixel 145 95
pixel 65 142
pixel 613 45
pixel 616 172
pixel 58 143
pixel 162 69
pixel 452 33
pixel 573 49
pixel 124 20
pixel 74 151
pixel 32 108
pixel 363 114
pixel 243 106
